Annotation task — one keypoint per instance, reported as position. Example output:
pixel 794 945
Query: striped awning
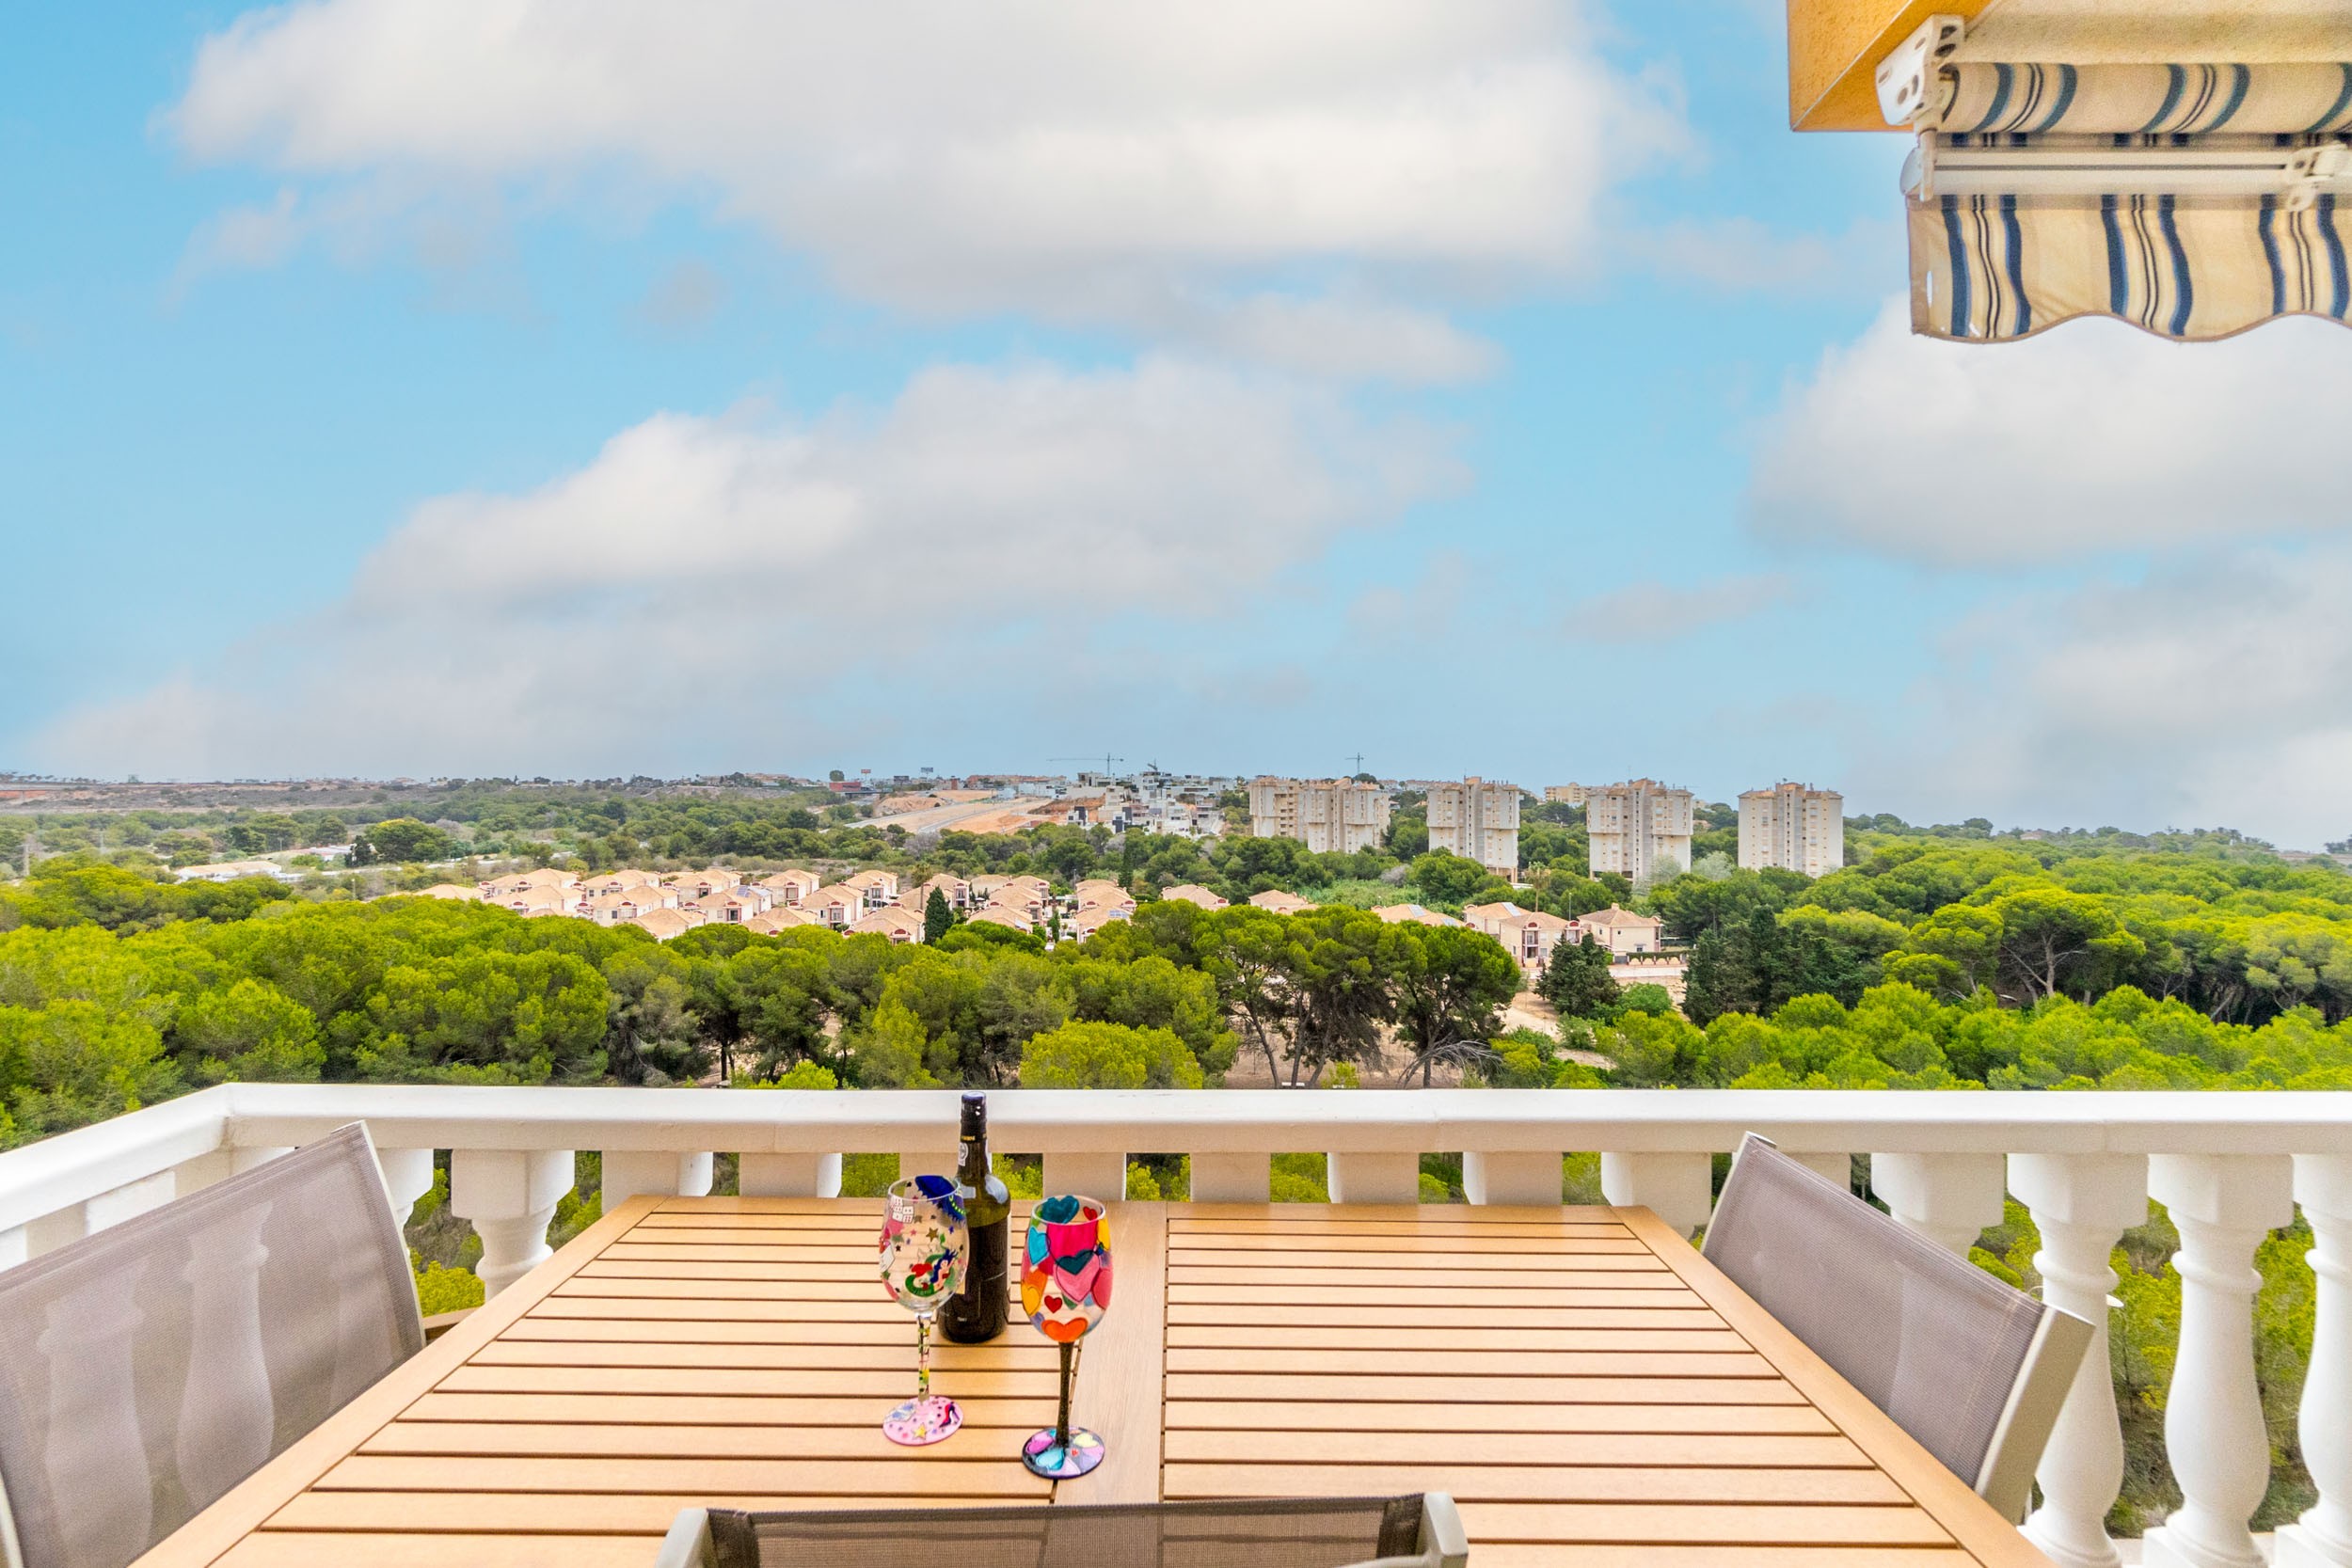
pixel 1988 268
pixel 2146 100
pixel 2155 194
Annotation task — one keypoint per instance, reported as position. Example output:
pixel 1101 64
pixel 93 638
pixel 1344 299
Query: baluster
pixel 2082 1204
pixel 1097 1176
pixel 227 1417
pixel 1949 1199
pixel 1231 1178
pixel 1513 1178
pixel 2222 1205
pixel 788 1175
pixel 1365 1177
pixel 510 1195
pixel 2322 1538
pixel 408 1175
pixel 1677 1188
pixel 628 1172
pixel 97 1452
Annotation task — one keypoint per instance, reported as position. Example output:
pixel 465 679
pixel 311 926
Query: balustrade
pixel 2229 1168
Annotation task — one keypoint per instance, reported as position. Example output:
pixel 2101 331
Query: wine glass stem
pixel 1061 1416
pixel 922 1355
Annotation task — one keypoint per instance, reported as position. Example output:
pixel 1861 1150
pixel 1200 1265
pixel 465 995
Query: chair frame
pixel 2038 1393
pixel 1443 1544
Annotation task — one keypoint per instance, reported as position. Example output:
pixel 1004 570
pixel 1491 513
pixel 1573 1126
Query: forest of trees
pixel 1943 960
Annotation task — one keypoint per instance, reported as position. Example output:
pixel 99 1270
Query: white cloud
pixel 719 587
pixel 1659 611
pixel 1087 162
pixel 2092 437
pixel 2217 692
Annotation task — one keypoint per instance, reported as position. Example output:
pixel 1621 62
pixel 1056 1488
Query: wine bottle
pixel 976 1311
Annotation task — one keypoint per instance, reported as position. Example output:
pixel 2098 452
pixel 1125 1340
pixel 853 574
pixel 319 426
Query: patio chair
pixel 150 1367
pixel 1418 1530
pixel 1972 1367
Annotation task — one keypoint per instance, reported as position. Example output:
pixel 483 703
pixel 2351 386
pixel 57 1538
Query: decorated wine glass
pixel 1065 1289
pixel 924 1248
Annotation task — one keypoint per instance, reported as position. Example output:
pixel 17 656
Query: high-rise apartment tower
pixel 1479 820
pixel 1641 829
pixel 1328 816
pixel 1795 827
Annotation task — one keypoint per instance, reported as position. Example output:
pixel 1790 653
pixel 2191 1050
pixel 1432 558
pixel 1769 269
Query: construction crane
pixel 1359 762
pixel 1108 760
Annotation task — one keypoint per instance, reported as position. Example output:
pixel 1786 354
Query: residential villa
pixel 1192 892
pixel 1008 914
pixel 878 887
pixel 839 904
pixel 1621 932
pixel 1098 891
pixel 955 890
pixel 606 885
pixel 664 924
pixel 791 886
pixel 531 901
pixel 1093 918
pixel 782 918
pixel 1278 902
pixel 457 890
pixel 1412 914
pixel 895 921
pixel 1531 934
pixel 546 877
pixel 1528 934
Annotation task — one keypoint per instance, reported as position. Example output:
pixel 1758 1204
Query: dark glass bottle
pixel 976 1312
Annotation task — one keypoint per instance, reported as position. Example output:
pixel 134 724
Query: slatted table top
pixel 1587 1387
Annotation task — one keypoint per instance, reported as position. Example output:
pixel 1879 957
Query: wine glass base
pixel 920 1421
pixel 1056 1462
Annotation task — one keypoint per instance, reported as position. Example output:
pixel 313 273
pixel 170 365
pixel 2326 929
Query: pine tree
pixel 1577 980
pixel 938 919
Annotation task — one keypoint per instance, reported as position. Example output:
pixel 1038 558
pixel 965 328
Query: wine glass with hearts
pixel 1065 1289
pixel 924 1248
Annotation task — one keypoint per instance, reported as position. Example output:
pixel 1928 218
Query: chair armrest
pixel 1442 1537
pixel 441 1323
pixel 688 1541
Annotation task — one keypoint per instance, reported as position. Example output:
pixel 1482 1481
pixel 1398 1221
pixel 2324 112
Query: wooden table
pixel 1590 1390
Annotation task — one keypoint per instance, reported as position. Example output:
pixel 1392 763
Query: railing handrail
pixel 74 1166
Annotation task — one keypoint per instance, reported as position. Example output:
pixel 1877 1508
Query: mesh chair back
pixel 147 1368
pixel 1309 1532
pixel 1941 1346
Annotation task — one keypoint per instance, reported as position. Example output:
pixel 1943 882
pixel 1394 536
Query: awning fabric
pixel 1986 268
pixel 2148 100
pixel 1989 266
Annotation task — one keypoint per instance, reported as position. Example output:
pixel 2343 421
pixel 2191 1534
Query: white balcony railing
pixel 2230 1168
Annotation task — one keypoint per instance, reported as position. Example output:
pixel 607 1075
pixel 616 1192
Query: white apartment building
pixel 1792 826
pixel 1641 829
pixel 1328 816
pixel 1477 821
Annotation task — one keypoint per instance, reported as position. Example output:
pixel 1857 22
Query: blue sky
pixel 420 388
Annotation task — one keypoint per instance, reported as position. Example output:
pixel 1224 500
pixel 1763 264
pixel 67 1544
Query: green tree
pixel 1446 878
pixel 1095 1055
pixel 400 841
pixel 1576 979
pixel 487 1018
pixel 251 1031
pixel 1451 984
pixel 938 919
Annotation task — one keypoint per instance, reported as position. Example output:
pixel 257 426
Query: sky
pixel 562 388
